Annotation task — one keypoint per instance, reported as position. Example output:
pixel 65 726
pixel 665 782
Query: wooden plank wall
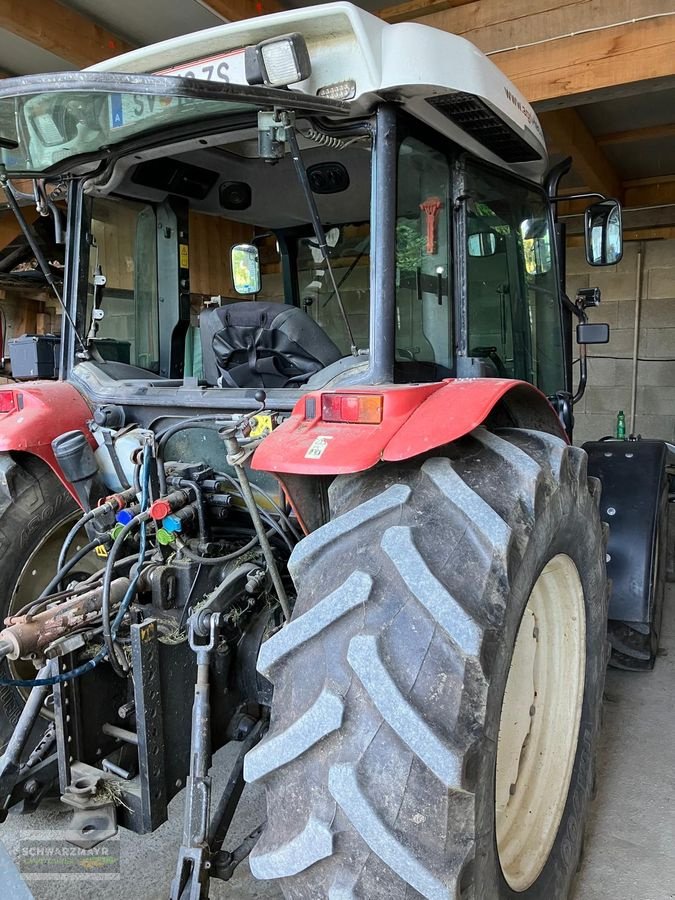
pixel 211 238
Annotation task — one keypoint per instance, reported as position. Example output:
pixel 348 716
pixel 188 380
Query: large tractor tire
pixel 36 513
pixel 437 694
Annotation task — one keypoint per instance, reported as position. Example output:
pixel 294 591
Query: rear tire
pixel 380 763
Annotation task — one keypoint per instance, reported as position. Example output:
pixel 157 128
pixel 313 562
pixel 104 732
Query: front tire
pixel 380 766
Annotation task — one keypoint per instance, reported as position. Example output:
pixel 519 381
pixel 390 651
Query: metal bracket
pixel 149 726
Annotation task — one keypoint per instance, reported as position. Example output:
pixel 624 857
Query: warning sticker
pixel 184 253
pixel 318 447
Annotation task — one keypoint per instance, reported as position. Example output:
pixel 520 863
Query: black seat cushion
pixel 254 344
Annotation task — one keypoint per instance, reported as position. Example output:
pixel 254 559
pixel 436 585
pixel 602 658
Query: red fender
pixel 415 419
pixel 41 411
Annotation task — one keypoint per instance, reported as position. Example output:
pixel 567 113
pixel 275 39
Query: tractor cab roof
pixel 355 61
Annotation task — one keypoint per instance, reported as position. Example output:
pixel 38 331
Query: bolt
pixel 611 511
pixel 533 709
pixel 31 787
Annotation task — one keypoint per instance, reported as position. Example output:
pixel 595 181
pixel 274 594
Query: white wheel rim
pixel 539 725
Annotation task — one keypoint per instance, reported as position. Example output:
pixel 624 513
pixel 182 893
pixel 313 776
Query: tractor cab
pixel 400 215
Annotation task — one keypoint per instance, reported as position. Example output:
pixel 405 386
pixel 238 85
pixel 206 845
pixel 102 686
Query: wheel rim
pixel 539 724
pixel 36 574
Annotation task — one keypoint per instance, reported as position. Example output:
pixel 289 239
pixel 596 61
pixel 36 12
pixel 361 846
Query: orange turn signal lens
pixel 364 409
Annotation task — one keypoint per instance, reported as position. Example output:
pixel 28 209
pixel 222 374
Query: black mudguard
pixel 635 505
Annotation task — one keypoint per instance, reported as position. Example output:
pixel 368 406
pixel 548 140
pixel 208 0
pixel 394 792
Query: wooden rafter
pixel 570 136
pixel 613 61
pixel 61 30
pixel 557 51
pixel 493 24
pixel 234 10
pixel 636 135
pixel 650 192
pixel 643 193
pixel 657 233
pixel 403 12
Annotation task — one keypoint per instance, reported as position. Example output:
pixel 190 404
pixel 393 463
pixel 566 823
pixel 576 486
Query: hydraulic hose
pixel 216 560
pixel 110 631
pixel 70 537
pixel 121 612
pixel 72 562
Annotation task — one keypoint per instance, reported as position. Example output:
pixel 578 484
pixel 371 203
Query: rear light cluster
pixel 365 409
pixel 8 402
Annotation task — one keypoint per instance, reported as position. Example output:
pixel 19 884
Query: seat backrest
pixel 252 344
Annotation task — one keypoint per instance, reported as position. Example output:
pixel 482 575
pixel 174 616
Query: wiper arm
pixel 37 251
pixel 316 221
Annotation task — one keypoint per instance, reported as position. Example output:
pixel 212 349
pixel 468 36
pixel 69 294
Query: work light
pixel 278 61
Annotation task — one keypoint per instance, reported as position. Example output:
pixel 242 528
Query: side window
pixel 424 344
pixel 123 242
pixel 513 303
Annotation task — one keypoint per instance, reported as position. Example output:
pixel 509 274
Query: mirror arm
pixel 584 299
pixel 583 374
pixel 559 198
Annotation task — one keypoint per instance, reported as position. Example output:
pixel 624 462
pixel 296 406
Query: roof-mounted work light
pixel 278 61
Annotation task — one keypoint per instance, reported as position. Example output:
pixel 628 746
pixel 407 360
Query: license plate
pixel 128 108
pixel 225 68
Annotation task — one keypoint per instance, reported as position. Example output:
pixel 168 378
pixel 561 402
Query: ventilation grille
pixel 478 120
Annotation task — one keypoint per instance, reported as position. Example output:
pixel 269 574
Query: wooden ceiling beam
pixel 61 30
pixel 493 24
pixel 235 10
pixel 657 233
pixel 542 47
pixel 643 193
pixel 567 131
pixel 581 66
pixel 403 12
pixel 635 135
pixel 650 192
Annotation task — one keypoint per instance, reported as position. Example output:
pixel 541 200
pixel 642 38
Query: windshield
pixel 50 119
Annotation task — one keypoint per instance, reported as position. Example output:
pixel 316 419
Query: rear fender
pixel 415 420
pixel 42 410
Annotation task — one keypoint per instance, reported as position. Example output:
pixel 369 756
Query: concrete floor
pixel 630 846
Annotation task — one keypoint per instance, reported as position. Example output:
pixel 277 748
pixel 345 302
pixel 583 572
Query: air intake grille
pixel 478 120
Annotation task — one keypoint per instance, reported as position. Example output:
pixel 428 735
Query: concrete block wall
pixel 610 366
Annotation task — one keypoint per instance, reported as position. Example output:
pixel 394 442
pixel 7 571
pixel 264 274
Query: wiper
pixel 8 144
pixel 37 251
pixel 319 232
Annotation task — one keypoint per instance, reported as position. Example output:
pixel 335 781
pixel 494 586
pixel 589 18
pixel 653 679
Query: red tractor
pixel 337 519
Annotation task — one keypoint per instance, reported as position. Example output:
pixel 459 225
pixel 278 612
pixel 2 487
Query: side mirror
pixel 592 333
pixel 482 243
pixel 245 268
pixel 603 233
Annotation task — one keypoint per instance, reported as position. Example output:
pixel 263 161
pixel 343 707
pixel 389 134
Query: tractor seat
pixel 252 344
